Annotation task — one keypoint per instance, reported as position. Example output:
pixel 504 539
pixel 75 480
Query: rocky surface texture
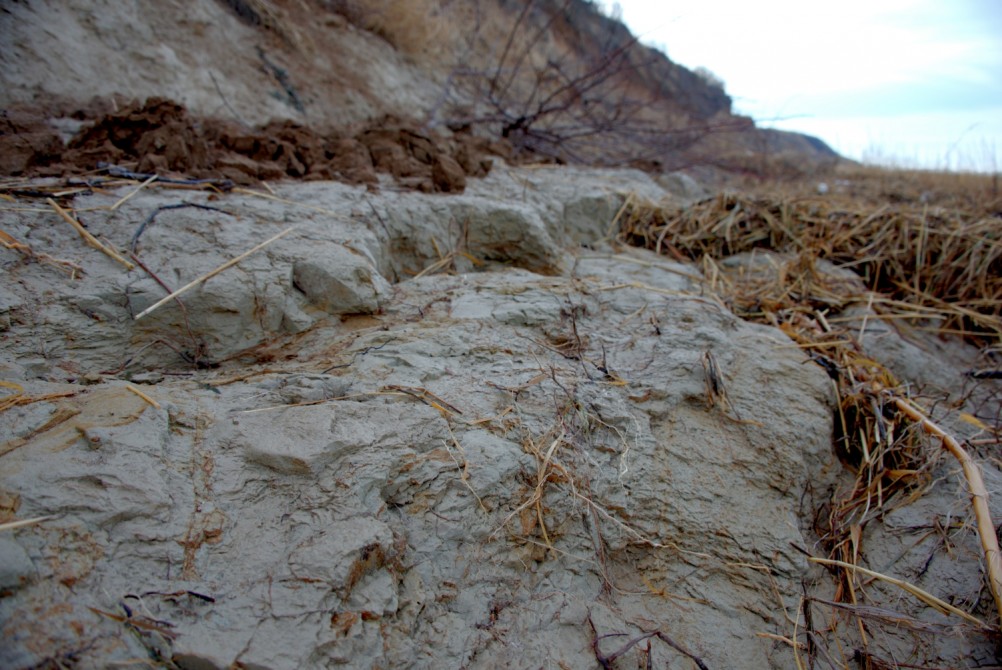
pixel 415 431
pixel 420 406
pixel 442 471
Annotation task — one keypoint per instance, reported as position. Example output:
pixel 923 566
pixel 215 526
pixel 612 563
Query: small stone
pixel 339 281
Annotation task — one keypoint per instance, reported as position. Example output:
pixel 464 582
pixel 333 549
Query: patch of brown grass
pixel 416 28
pixel 931 255
pixel 943 262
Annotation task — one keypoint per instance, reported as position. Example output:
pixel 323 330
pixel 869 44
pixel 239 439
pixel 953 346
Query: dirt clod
pixel 161 136
pixel 26 141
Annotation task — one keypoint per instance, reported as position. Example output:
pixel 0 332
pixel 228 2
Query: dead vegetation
pixel 567 89
pixel 417 28
pixel 821 269
pixel 922 262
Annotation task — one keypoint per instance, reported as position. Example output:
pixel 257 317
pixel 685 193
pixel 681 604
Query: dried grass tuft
pixel 943 262
pixel 417 28
pixel 907 262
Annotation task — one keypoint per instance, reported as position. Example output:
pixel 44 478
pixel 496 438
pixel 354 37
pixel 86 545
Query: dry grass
pixel 934 261
pixel 417 28
pixel 963 191
pixel 924 250
pixel 870 186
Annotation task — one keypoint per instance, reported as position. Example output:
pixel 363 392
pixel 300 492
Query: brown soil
pixel 27 141
pixel 161 137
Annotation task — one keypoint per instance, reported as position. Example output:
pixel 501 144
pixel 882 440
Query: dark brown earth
pixel 161 137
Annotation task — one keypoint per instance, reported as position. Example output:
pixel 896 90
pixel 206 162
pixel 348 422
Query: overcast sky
pixel 917 82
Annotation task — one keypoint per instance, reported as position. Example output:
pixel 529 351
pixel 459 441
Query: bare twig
pixel 85 234
pixel 209 275
pixel 197 347
pixel 567 104
pixel 142 227
pixel 607 661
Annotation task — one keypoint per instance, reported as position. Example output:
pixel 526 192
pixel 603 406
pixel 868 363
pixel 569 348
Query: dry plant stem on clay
pixel 90 239
pixel 543 472
pixel 209 275
pixel 924 596
pixel 17 396
pixel 196 345
pixel 608 662
pixel 979 497
pixel 10 242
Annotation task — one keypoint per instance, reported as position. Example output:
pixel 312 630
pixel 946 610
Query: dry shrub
pixel 563 84
pixel 417 28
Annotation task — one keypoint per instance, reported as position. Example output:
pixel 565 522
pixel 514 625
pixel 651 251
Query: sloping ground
pixel 559 82
pixel 463 469
pixel 441 431
pixel 297 62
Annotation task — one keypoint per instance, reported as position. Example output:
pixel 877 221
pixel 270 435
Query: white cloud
pixel 868 59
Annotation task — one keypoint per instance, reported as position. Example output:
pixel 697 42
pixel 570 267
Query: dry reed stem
pixel 61 415
pixel 21 523
pixel 133 192
pixel 926 597
pixel 85 234
pixel 979 497
pixel 142 395
pixel 13 398
pixel 796 648
pixel 425 396
pixel 440 264
pixel 542 475
pixel 464 467
pixel 782 638
pixel 902 621
pixel 209 275
pixel 18 398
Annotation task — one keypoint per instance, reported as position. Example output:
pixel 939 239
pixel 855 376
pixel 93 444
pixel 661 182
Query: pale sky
pixel 913 82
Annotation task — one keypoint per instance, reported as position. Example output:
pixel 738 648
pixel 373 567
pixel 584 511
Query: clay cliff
pixel 549 80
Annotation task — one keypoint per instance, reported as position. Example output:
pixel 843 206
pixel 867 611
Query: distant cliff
pixel 557 79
